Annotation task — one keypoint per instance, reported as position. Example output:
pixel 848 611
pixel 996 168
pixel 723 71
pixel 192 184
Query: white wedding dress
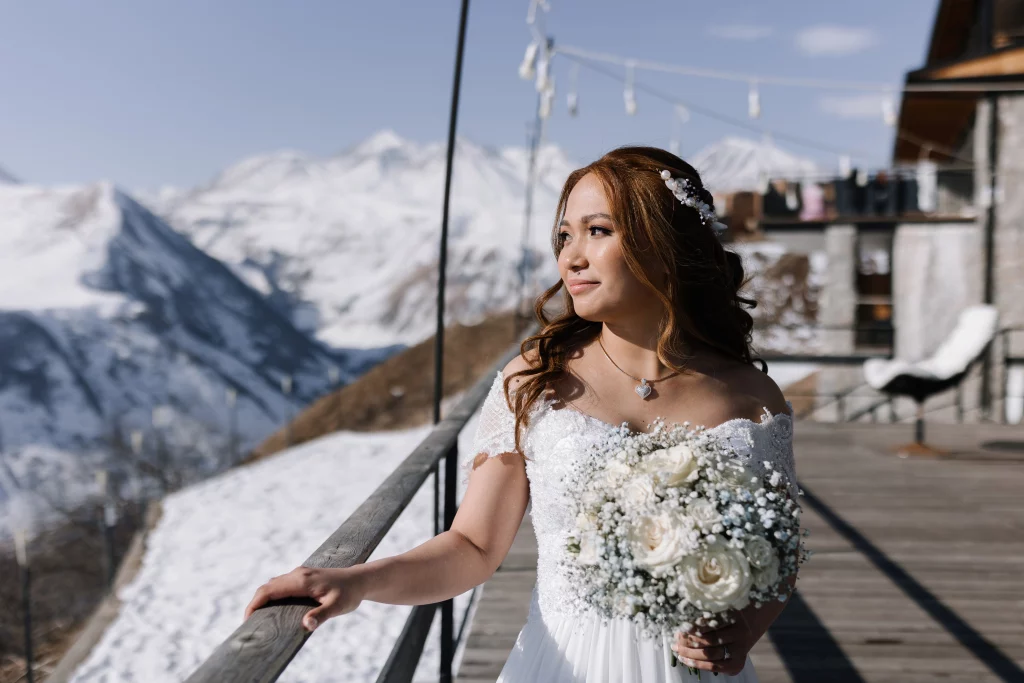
pixel 557 645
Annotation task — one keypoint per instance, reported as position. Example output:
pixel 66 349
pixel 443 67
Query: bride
pixel 653 326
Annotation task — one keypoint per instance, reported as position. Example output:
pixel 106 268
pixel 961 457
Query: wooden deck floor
pixel 918 573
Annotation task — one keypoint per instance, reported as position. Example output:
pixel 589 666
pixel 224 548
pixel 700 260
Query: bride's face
pixel 591 263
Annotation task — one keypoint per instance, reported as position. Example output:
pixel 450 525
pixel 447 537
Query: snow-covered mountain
pixel 733 164
pixel 347 246
pixel 111 322
pixel 6 178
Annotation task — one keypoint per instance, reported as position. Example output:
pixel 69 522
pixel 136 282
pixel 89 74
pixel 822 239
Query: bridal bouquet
pixel 674 530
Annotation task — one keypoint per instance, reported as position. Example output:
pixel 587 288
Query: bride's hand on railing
pixel 337 590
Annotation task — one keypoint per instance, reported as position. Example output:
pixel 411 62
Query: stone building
pixel 959 240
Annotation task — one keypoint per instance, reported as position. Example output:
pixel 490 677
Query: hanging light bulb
pixel 754 101
pixel 845 165
pixel 573 97
pixel 547 98
pixel 680 115
pixel 531 11
pixel 628 94
pixel 888 112
pixel 527 68
pixel 543 71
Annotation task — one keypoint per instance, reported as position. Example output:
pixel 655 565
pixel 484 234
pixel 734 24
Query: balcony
pixel 927 193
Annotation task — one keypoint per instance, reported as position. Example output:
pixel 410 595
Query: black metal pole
pixel 447 618
pixel 233 426
pixel 1005 342
pixel 442 261
pixel 990 228
pixel 26 610
pixel 108 547
pixel 448 606
pixel 534 143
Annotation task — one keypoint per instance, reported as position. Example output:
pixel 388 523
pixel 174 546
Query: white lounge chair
pixel 975 328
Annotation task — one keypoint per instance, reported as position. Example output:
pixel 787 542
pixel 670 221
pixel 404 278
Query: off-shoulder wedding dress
pixel 558 645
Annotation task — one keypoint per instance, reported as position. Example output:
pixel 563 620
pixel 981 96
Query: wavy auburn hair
pixel 702 302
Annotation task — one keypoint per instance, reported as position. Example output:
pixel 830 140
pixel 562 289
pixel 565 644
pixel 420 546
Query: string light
pixel 628 94
pixel 547 98
pixel 845 165
pixel 541 52
pixel 543 71
pixel 527 70
pixel 888 112
pixel 531 12
pixel 814 83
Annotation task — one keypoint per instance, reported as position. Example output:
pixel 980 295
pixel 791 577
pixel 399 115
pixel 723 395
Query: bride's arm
pixel 445 566
pixel 465 556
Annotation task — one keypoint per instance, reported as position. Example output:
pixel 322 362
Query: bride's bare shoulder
pixel 518 364
pixel 753 391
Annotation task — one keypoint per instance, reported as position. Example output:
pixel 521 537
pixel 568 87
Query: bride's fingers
pixel 700 664
pixel 722 637
pixel 319 615
pixel 277 588
pixel 705 654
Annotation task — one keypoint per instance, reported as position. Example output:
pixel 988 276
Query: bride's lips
pixel 580 286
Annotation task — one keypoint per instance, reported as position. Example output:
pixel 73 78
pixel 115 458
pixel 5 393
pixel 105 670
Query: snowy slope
pixel 733 164
pixel 205 559
pixel 347 246
pixel 106 314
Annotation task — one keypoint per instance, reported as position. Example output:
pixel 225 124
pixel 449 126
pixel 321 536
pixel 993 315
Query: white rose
pixel 673 466
pixel 622 605
pixel 767 576
pixel 759 551
pixel 704 512
pixel 616 471
pixel 719 578
pixel 638 492
pixel 586 521
pixel 589 546
pixel 737 473
pixel 592 498
pixel 660 541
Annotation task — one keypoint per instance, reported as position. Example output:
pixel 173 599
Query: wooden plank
pixel 502 610
pixel 954 527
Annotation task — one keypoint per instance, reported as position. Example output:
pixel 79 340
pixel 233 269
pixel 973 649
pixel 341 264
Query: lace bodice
pixel 556 437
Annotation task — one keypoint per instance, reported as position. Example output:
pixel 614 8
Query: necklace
pixel 643 390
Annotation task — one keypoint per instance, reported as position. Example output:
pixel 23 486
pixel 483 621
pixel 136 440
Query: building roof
pixel 973 42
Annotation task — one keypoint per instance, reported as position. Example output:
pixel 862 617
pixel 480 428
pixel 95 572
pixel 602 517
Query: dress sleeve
pixel 495 431
pixel 770 440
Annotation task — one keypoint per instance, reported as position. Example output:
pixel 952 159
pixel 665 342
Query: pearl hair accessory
pixel 683 190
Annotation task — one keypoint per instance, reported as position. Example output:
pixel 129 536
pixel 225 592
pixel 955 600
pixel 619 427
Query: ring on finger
pixel 725 652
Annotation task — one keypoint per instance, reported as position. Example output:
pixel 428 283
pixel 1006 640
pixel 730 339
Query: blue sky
pixel 154 93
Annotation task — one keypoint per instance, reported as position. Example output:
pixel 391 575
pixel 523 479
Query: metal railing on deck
pixel 261 647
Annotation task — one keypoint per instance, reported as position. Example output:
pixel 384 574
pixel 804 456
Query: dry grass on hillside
pixel 398 393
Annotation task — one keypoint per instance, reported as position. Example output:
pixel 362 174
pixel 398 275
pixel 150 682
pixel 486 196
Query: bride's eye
pixel 606 231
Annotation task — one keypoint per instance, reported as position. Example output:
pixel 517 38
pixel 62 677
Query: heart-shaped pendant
pixel 643 390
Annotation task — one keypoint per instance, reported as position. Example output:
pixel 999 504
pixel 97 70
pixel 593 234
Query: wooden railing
pixel 262 646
